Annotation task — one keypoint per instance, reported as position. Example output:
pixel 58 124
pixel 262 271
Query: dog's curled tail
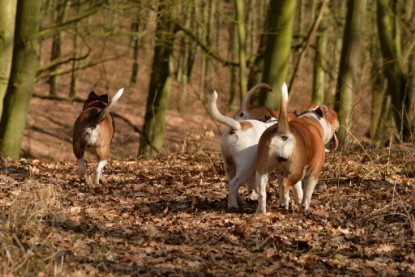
pixel 213 109
pixel 283 127
pixel 246 103
pixel 104 112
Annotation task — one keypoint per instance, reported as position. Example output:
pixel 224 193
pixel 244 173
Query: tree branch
pixel 306 44
pixel 206 49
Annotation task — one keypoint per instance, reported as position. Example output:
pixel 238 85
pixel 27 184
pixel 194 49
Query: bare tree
pixel 349 63
pixel 7 24
pixel 22 77
pixel 151 142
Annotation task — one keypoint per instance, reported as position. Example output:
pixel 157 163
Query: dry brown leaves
pixel 168 216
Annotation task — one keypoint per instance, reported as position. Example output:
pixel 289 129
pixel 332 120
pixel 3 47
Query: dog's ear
pixel 92 95
pixel 104 98
pixel 306 109
pixel 322 110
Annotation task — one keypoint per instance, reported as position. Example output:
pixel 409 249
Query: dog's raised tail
pixel 246 103
pixel 213 109
pixel 107 109
pixel 283 127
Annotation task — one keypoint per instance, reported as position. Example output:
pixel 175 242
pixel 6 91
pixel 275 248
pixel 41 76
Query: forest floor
pixel 167 216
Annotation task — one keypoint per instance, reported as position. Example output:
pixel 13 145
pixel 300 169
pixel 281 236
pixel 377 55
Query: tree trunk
pixel 240 21
pixel 349 63
pixel 390 44
pixel 22 77
pixel 317 96
pixel 7 21
pixel 135 45
pixel 151 142
pixel 59 18
pixel 277 50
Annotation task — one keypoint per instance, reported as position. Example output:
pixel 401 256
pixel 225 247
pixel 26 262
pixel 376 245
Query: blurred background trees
pixel 357 56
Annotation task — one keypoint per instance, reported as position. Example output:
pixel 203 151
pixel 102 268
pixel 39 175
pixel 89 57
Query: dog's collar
pixel 320 120
pixel 96 102
pixel 272 119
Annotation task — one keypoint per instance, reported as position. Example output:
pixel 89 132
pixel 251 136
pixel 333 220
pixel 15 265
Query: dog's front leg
pixel 98 171
pixel 309 185
pixel 261 180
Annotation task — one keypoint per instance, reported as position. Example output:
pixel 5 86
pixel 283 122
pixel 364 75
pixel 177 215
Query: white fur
pixel 239 146
pixel 283 148
pixel 90 135
pixel 98 171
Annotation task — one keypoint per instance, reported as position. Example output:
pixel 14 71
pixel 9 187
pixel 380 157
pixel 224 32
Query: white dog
pixel 239 146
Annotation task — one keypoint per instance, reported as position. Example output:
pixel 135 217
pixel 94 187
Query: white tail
pixel 246 102
pixel 108 108
pixel 283 127
pixel 213 109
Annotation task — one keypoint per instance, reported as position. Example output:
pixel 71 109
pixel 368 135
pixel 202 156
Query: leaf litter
pixel 168 216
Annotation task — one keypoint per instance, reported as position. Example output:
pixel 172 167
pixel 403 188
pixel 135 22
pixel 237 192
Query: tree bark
pixel 151 142
pixel 7 26
pixel 349 63
pixel 240 21
pixel 22 77
pixel 317 96
pixel 277 50
pixel 398 83
pixel 59 17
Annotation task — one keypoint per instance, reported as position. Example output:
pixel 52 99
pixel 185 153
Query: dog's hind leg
pixel 234 198
pixel 298 192
pixel 98 171
pixel 261 180
pixel 284 192
pixel 309 185
pixel 252 189
pixel 82 169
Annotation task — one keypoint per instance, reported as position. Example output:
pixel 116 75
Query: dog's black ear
pixel 92 95
pixel 104 98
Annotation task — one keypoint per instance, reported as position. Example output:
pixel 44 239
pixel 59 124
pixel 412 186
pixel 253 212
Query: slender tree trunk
pixel 151 142
pixel 135 46
pixel 240 21
pixel 319 74
pixel 233 49
pixel 278 49
pixel 22 77
pixel 349 63
pixel 59 17
pixel 390 44
pixel 7 24
pixel 186 49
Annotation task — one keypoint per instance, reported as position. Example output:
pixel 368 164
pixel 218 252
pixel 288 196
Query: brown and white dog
pixel 238 146
pixel 295 149
pixel 94 128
